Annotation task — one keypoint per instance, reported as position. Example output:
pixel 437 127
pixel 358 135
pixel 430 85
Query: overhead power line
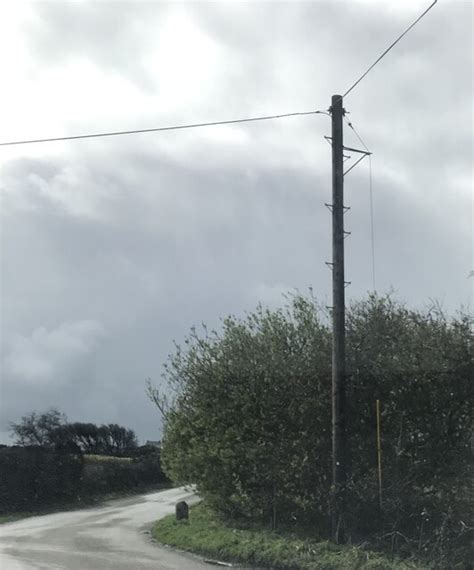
pixel 157 129
pixel 214 123
pixel 389 48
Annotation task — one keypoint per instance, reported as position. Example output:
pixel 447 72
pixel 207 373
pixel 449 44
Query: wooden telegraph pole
pixel 339 467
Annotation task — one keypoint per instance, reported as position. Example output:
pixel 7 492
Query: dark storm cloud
pixel 142 278
pixel 114 248
pixel 145 281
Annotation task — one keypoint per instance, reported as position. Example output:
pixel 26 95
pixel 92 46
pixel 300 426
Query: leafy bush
pixel 421 368
pixel 251 424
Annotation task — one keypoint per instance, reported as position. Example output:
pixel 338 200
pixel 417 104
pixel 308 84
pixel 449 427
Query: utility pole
pixel 339 468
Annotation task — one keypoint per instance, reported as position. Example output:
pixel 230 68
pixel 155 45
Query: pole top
pixel 336 104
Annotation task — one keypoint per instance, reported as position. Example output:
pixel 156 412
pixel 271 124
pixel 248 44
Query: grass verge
pixel 207 534
pixel 13 517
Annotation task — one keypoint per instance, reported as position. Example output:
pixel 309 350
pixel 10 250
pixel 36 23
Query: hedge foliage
pixel 251 422
pixel 32 478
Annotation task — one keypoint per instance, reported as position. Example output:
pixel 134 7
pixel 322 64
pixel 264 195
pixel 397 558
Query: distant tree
pixel 84 435
pixel 51 430
pixel 117 439
pixel 111 439
pixel 38 428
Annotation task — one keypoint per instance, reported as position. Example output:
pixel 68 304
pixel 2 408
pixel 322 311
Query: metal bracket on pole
pixel 329 141
pixel 329 264
pixel 347 234
pixel 356 150
pixel 357 162
pixel 331 206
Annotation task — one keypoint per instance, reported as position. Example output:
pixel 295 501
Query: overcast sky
pixel 112 248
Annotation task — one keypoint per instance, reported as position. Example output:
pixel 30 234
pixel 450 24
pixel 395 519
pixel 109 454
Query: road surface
pixel 115 536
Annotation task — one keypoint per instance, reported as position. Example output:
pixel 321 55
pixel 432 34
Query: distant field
pixel 106 459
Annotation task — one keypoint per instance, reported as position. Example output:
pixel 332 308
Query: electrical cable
pixel 171 128
pixel 195 125
pixel 351 126
pixel 372 232
pixel 388 49
pixel 371 200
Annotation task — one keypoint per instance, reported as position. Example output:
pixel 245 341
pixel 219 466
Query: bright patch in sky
pixel 183 61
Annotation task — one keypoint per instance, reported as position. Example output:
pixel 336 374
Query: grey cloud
pixel 151 234
pixel 110 36
pixel 39 359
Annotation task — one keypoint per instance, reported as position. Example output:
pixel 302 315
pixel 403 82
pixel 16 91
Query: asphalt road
pixel 115 536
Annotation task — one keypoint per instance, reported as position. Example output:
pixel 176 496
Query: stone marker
pixel 182 511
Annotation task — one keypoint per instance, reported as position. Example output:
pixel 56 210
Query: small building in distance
pixel 153 443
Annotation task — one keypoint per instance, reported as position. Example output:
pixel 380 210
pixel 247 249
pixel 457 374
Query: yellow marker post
pixel 379 452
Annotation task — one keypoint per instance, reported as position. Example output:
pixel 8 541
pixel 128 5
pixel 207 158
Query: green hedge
pixel 32 478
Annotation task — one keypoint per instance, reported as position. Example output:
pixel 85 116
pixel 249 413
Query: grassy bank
pixel 207 534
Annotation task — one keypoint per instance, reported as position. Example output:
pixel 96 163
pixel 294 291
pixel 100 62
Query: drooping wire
pixel 372 231
pixel 351 126
pixel 371 201
pixel 171 128
pixel 389 48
